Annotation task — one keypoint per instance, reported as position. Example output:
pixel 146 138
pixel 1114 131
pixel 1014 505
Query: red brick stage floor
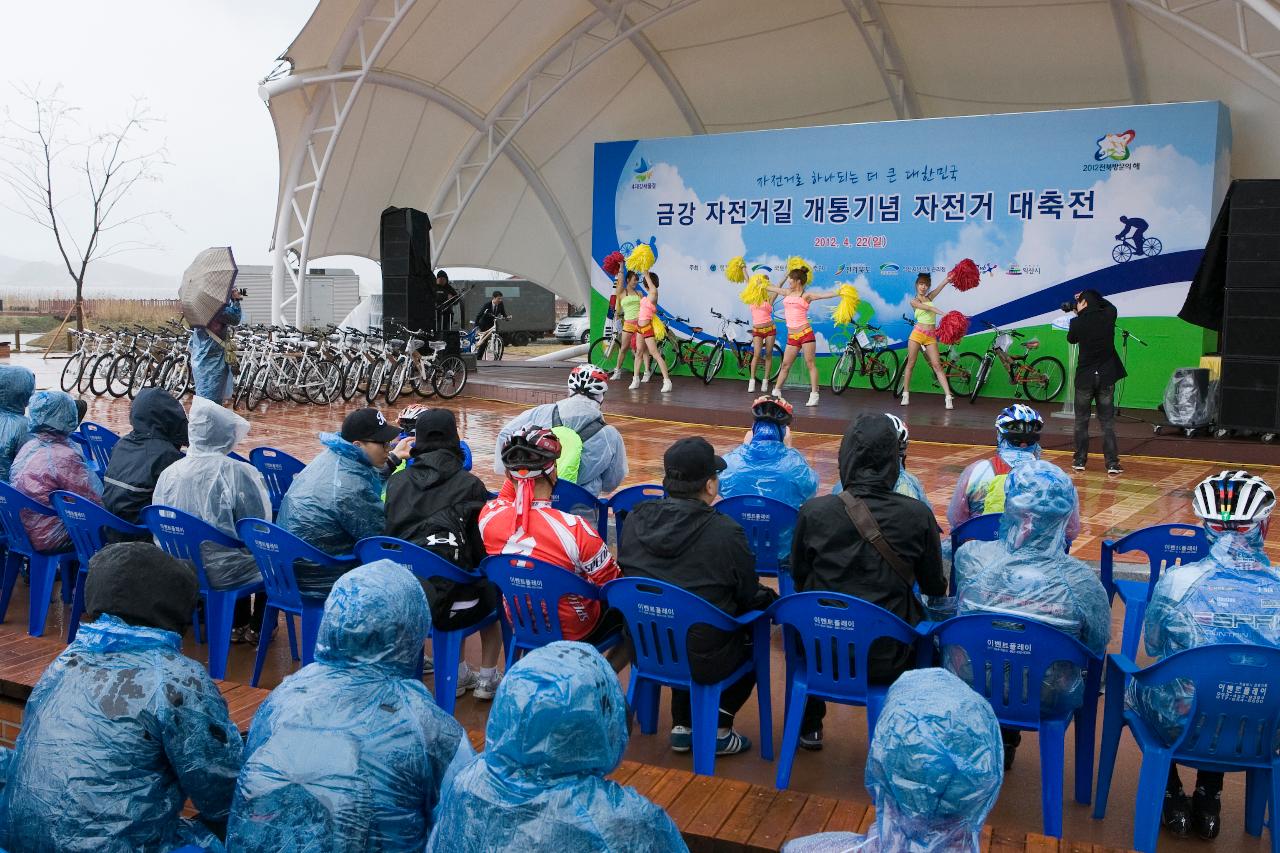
pixel 1152 490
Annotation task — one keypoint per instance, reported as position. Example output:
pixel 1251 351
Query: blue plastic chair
pixel 768 523
pixel 466 455
pixel 85 522
pixel 231 454
pixel 572 498
pixel 100 441
pixel 828 637
pixel 86 451
pixel 1233 718
pixel 446 646
pixel 43 568
pixel 278 469
pixel 276 552
pixel 1008 656
pixel 180 535
pixel 658 617
pixel 1164 545
pixel 982 528
pixel 625 500
pixel 531 591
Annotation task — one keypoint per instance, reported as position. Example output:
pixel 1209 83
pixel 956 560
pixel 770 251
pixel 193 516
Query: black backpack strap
pixel 555 416
pixel 864 521
pixel 591 429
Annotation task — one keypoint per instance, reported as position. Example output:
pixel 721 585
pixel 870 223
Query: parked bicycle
pixel 488 345
pixel 1040 380
pixel 866 354
pixel 739 350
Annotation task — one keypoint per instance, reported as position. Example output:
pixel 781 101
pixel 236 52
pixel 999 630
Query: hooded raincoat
pixel 350 752
pixel 557 728
pixel 604 458
pixel 332 504
pixel 1227 597
pixel 907 484
pixel 209 359
pixel 156 442
pixel 119 733
pixel 1026 572
pixel 934 771
pixel 217 489
pixel 981 489
pixel 766 467
pixel 50 460
pixel 16 386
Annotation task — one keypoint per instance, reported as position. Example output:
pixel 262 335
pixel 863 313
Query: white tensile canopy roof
pixel 483 113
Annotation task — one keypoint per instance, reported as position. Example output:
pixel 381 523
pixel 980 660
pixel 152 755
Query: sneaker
pixel 906 397
pixel 811 741
pixel 751 385
pixel 1175 816
pixel 813 399
pixel 1206 812
pixel 777 392
pixel 1077 466
pixel 237 636
pixel 648 374
pixel 616 375
pixel 468 678
pixel 666 386
pixel 1114 468
pixel 428 665
pixel 732 744
pixel 635 382
pixel 250 636
pixel 486 686
pixel 950 402
pixel 681 738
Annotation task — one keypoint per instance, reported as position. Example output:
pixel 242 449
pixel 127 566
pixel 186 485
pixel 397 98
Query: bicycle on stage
pixel 1041 380
pixel 742 352
pixel 867 354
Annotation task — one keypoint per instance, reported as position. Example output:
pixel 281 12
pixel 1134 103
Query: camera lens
pixel 1068 306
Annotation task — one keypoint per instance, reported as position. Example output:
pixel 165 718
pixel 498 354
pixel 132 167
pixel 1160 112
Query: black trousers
pixel 1210 781
pixel 1104 395
pixel 711 670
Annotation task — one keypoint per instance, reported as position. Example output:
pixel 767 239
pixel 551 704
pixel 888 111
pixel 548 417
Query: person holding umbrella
pixel 211 303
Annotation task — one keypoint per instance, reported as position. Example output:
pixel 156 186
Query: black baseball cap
pixel 692 460
pixel 368 425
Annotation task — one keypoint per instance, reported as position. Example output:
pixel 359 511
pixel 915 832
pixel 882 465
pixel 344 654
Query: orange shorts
pixel 924 335
pixel 646 331
pixel 801 336
pixel 768 330
pixel 630 326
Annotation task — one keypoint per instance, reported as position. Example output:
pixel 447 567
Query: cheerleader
pixel 925 335
pixel 763 334
pixel 649 344
pixel 627 299
pixel 800 336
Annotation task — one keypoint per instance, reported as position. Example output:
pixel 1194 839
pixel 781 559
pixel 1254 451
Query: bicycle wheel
pixel 961 373
pixel 328 377
pixel 1043 378
pixel 173 376
pixel 775 365
pixel 350 381
pixel 296 388
pixel 98 373
pixel 499 347
pixel 142 375
pixel 376 375
pixel 423 380
pixel 1152 247
pixel 450 377
pixel 606 354
pixel 980 377
pixel 257 387
pixel 842 373
pixel 283 372
pixel 71 371
pixel 882 369
pixel 395 384
pixel 714 360
pixel 1121 252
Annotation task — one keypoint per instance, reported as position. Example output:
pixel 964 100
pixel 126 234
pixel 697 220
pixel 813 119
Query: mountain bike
pixel 606 351
pixel 739 350
pixel 960 368
pixel 1041 380
pixel 867 353
pixel 676 349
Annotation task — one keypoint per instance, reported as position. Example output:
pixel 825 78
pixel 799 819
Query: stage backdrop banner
pixel 1036 200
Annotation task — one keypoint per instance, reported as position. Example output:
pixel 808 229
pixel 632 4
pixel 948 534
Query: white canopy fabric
pixel 484 112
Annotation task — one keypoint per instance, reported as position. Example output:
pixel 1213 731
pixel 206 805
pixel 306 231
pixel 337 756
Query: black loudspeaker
pixel 1250 394
pixel 408 281
pixel 1251 324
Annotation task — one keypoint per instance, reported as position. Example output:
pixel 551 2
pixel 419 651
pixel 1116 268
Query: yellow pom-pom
pixel 641 259
pixel 795 262
pixel 736 270
pixel 757 290
pixel 847 307
pixel 659 329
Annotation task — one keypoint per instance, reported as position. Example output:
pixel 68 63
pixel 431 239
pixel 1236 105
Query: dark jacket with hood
pixel 1094 329
pixel 156 442
pixel 690 545
pixel 828 552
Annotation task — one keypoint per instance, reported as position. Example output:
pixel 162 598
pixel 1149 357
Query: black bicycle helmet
pixel 531 452
pixel 770 408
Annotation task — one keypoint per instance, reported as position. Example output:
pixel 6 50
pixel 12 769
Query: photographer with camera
pixel 1098 369
pixel 208 347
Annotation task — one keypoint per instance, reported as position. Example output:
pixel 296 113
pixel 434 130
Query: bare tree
pixel 75 183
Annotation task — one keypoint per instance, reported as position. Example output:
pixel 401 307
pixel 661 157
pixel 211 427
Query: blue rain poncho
pixel 1227 597
pixel 1026 573
pixel 765 466
pixel 16 386
pixel 907 484
pixel 208 358
pixel 604 458
pixel 216 489
pixel 350 752
pixel 119 732
pixel 558 726
pixel 934 771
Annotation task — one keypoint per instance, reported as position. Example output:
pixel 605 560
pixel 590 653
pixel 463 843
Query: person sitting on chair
pixel 122 729
pixel 558 727
pixel 156 442
pixel 908 484
pixel 1027 572
pixel 1226 597
pixel 17 384
pixel 766 464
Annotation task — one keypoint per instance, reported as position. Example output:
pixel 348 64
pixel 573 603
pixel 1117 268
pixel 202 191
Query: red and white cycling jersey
pixel 560 539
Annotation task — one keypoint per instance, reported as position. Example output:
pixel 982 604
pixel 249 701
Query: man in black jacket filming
pixel 829 553
pixel 683 541
pixel 1098 369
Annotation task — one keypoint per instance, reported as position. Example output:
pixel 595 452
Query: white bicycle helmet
pixel 409 415
pixel 1020 424
pixel 904 437
pixel 588 380
pixel 1233 496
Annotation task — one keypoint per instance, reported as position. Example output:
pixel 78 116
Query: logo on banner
pixel 642 176
pixel 1022 269
pixel 987 268
pixel 889 269
pixel 1114 146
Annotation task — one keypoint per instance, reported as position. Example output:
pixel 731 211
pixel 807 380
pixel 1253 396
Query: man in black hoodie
pixel 156 442
pixel 683 541
pixel 828 553
pixel 1098 370
pixel 434 503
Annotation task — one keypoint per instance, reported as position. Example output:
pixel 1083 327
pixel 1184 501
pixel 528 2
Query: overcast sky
pixel 198 64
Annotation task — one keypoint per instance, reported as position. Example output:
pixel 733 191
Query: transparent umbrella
pixel 206 285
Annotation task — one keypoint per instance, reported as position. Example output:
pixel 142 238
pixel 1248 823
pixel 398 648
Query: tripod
pixel 1125 335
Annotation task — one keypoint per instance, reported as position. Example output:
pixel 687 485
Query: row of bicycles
pixel 866 351
pixel 276 363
